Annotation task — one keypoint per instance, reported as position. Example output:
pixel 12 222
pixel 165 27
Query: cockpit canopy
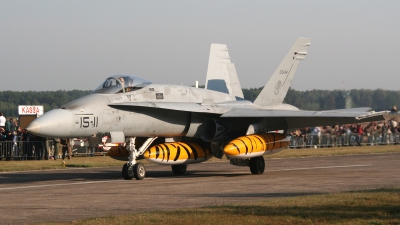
pixel 121 84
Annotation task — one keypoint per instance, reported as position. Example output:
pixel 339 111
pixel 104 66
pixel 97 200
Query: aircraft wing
pixel 303 118
pixel 177 106
pixel 253 112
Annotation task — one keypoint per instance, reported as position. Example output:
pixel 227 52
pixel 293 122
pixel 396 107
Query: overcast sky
pixel 66 45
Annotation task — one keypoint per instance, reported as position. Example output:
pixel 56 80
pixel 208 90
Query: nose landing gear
pixel 132 169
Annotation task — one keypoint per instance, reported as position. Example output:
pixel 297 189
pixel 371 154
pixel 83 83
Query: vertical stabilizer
pixel 221 73
pixel 278 85
pixel 234 81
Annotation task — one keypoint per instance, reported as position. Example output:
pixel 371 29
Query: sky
pixel 48 45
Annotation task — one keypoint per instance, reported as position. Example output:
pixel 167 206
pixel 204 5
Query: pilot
pixel 129 84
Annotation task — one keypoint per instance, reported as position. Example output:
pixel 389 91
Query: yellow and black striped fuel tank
pixel 178 153
pixel 255 145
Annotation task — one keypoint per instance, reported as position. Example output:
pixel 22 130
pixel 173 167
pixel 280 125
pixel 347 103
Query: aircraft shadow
pixel 98 175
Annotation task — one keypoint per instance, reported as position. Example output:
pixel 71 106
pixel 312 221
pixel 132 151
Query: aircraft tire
pixel 127 172
pixel 257 165
pixel 179 169
pixel 139 171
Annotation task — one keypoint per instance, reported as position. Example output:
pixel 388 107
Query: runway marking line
pixel 54 185
pixel 321 167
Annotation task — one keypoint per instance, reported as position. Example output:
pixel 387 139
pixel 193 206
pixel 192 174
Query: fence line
pixel 38 150
pixel 331 140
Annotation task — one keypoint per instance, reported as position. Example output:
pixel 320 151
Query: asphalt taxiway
pixel 71 194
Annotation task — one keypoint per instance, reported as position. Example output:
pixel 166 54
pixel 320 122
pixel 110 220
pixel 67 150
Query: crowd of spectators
pixel 17 142
pixel 373 133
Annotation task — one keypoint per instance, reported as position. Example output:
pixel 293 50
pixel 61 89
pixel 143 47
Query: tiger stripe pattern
pixel 177 153
pixel 255 145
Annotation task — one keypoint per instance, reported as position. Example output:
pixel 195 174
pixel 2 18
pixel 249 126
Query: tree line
pixel 335 99
pixel 10 100
pixel 308 100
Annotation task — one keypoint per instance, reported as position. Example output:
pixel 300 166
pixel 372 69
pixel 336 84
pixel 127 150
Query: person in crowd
pixel 8 144
pixel 14 126
pixel 2 120
pixel 8 126
pixel 304 136
pixel 359 134
pixel 66 147
pixel 38 146
pixel 23 145
pixel 56 144
pixel 341 135
pixel 384 133
pixel 2 138
pixel 47 146
pixel 334 135
pixel 28 144
pixel 17 144
pixel 316 134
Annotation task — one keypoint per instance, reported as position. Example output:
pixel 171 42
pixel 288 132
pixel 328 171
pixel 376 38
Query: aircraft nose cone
pixel 34 127
pixel 55 123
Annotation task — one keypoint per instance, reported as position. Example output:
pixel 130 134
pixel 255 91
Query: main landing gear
pixel 257 165
pixel 179 169
pixel 132 169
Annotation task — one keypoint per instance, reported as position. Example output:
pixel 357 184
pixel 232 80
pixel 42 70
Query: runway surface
pixel 71 194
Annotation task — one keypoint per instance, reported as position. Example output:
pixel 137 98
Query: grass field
pixel 363 207
pixel 105 161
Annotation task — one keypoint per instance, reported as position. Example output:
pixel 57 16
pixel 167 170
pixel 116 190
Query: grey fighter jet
pixel 177 125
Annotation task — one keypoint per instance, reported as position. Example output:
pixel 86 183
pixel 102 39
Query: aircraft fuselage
pixel 92 114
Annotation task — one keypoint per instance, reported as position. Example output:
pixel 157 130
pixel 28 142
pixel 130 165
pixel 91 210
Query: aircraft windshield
pixel 120 84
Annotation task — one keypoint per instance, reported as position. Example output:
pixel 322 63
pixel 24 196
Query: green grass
pixel 104 161
pixel 362 207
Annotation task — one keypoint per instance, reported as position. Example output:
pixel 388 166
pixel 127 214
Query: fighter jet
pixel 178 125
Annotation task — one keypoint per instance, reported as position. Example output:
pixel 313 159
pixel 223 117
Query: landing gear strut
pixel 132 169
pixel 257 165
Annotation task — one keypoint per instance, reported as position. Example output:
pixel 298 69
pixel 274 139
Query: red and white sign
pixel 30 110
